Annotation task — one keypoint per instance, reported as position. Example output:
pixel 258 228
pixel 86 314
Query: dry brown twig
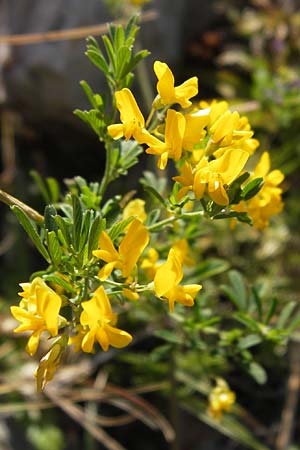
pixel 73 33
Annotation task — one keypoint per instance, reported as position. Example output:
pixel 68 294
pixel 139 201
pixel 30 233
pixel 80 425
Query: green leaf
pixel 98 60
pixel 95 99
pixel 123 58
pixel 248 321
pixel 53 188
pixel 54 248
pixel 271 310
pixel 252 188
pixel 93 119
pixel 64 230
pixel 285 315
pixel 77 221
pixel 110 52
pixel 257 372
pixel 255 299
pixel 154 193
pixel 128 158
pixel 239 287
pixel 30 229
pixel 240 216
pixel 249 341
pixel 119 227
pixel 86 223
pixel 97 227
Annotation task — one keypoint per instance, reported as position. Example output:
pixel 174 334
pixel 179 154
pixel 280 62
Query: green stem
pixel 160 224
pixel 12 201
pixel 107 171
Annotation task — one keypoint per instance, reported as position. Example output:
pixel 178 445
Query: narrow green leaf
pixel 248 321
pixel 64 229
pixel 122 60
pixel 285 315
pixel 255 299
pixel 97 226
pixel 239 287
pixel 77 221
pixel 54 248
pixel 53 188
pixel 95 99
pixel 98 60
pixel 152 191
pixel 86 223
pixel 30 229
pixel 249 341
pixel 119 227
pixel 119 37
pixel 257 372
pixel 252 188
pixel 271 310
pixel 110 52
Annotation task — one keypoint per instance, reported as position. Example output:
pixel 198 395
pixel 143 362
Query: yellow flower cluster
pixel 209 144
pixel 39 311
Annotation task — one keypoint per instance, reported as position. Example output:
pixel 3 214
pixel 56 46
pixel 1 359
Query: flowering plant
pixel 111 256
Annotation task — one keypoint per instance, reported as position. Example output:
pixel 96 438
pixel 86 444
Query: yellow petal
pixel 117 338
pixel 165 85
pixel 132 246
pixel 129 110
pixel 230 164
pixel 107 251
pixel 116 131
pixel 88 341
pixel 33 342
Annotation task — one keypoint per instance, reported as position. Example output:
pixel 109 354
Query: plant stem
pixel 13 201
pixel 107 171
pixel 157 225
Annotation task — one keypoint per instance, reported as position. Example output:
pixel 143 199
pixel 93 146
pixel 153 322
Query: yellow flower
pixel 98 321
pixel 217 174
pixel 49 363
pixel 131 117
pixel 130 249
pixel 37 312
pixel 135 207
pixel 228 129
pixel 221 399
pixel 168 93
pixel 194 130
pixel 172 147
pixel 167 279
